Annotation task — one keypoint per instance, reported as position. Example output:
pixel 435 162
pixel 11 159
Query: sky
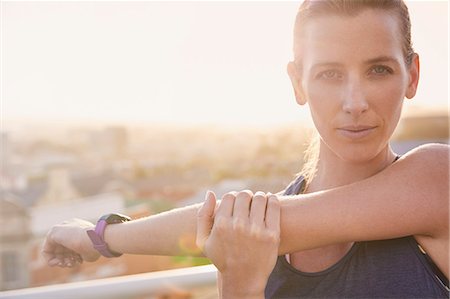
pixel 173 62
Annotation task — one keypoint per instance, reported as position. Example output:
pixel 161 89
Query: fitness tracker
pixel 97 235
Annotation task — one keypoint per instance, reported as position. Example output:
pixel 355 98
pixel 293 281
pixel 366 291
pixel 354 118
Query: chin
pixel 358 153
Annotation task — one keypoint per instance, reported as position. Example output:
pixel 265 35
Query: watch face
pixel 115 218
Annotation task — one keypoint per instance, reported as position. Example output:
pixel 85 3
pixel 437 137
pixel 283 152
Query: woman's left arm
pixel 410 197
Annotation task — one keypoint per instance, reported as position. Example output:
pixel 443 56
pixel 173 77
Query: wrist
pixel 97 235
pixel 232 293
pixel 113 235
pixel 233 286
pixel 89 253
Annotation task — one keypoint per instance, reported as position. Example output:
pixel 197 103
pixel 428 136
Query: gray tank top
pixel 394 268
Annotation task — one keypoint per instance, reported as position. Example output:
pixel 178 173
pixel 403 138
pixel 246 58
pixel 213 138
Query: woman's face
pixel 354 77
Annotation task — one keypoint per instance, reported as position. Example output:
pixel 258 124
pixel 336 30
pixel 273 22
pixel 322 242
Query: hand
pixel 68 244
pixel 241 239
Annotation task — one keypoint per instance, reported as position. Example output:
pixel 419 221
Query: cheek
pixel 324 104
pixel 322 114
pixel 387 101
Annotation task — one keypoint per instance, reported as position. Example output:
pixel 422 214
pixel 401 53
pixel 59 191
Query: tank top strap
pixel 297 186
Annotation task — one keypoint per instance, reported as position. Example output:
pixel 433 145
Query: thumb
pixel 205 219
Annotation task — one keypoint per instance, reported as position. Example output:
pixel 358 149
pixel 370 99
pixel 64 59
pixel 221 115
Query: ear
pixel 414 74
pixel 295 77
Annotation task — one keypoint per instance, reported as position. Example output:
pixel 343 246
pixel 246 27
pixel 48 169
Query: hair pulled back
pixel 310 9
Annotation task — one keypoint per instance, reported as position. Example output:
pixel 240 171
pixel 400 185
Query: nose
pixel 355 102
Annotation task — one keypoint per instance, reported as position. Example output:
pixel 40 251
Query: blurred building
pixel 11 172
pixel 15 236
pixel 110 143
pixel 59 188
pixel 416 130
pixel 5 150
pixel 45 215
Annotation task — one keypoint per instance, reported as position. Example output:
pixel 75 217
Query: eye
pixel 380 70
pixel 329 75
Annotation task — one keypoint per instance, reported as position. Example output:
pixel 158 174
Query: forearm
pixel 169 233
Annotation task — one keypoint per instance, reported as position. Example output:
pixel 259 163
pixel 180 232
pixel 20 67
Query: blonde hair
pixel 311 158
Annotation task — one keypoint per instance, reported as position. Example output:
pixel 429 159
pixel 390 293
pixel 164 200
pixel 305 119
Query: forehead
pixel 349 39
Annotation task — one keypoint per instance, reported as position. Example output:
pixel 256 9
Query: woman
pixel 353 65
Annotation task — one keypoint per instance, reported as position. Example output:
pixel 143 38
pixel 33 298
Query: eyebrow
pixel 328 64
pixel 380 59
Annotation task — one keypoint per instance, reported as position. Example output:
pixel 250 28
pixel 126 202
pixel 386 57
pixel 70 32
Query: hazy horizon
pixel 186 63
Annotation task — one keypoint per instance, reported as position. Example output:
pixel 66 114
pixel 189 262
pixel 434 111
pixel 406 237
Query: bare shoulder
pixel 429 159
pixel 427 168
pixel 435 150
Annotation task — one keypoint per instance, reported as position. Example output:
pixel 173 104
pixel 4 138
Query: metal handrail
pixel 123 286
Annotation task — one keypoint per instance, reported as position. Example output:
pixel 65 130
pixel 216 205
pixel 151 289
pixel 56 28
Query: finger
pixel 242 205
pixel 47 255
pixel 51 259
pixel 205 218
pixel 72 260
pixel 48 247
pixel 52 262
pixel 273 214
pixel 68 262
pixel 52 252
pixel 226 206
pixel 79 258
pixel 258 208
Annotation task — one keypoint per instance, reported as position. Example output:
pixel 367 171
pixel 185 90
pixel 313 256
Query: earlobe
pixel 296 83
pixel 414 74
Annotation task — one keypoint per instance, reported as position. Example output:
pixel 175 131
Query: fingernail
pixel 209 194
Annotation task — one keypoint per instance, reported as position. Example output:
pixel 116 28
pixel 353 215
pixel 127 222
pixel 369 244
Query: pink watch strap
pixel 97 238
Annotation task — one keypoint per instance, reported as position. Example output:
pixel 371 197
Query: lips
pixel 356 132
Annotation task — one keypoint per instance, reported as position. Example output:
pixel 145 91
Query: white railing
pixel 128 286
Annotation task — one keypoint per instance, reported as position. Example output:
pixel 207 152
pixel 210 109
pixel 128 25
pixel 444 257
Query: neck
pixel 333 171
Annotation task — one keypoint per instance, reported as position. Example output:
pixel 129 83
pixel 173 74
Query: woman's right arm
pixel 169 233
